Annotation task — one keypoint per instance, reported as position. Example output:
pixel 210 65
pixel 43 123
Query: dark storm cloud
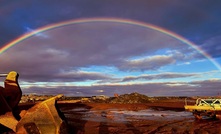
pixel 196 20
pixel 83 45
pixel 58 55
pixel 212 46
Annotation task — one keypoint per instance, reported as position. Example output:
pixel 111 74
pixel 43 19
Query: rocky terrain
pixel 132 113
pixel 122 99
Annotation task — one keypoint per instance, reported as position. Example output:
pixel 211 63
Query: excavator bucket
pixel 8 120
pixel 43 118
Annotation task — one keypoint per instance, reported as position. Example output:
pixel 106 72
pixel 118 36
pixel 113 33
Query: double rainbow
pixel 116 20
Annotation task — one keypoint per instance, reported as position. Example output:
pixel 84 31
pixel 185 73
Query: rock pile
pixel 122 99
pixel 130 98
pixel 34 98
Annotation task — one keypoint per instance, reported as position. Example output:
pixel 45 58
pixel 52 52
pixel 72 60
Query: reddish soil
pixel 159 117
pixel 163 117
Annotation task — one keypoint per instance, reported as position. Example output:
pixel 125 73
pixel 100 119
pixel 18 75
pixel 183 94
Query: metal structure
pixel 42 118
pixel 205 107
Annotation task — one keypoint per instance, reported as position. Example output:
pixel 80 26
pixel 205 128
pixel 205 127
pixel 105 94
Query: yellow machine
pixel 205 107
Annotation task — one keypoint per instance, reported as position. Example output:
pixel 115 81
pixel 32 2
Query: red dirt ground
pixel 163 117
pixel 159 117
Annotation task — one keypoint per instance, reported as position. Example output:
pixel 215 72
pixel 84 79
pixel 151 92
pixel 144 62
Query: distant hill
pixel 130 98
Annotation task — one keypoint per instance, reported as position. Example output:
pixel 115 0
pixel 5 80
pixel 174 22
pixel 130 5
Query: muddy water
pixel 90 120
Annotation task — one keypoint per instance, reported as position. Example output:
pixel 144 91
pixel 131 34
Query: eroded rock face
pixel 8 121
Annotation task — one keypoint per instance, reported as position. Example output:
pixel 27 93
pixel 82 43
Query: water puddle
pixel 125 115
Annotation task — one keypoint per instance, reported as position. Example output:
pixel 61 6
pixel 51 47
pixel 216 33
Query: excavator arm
pixel 42 118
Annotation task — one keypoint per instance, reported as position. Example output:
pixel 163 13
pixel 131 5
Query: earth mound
pixel 130 98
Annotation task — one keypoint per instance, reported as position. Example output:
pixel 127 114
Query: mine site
pixel 110 67
pixel 135 114
pixel 132 113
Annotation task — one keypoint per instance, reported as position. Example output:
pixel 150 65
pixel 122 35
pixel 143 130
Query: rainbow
pixel 116 20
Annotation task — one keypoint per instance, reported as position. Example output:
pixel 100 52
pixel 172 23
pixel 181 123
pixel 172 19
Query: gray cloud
pixel 72 76
pixel 71 47
pixel 159 76
pixel 212 46
pixel 81 76
pixel 182 17
pixel 195 88
pixel 58 55
pixel 149 63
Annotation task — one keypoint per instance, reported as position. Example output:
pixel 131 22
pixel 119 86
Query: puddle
pixel 124 115
pixel 81 109
pixel 150 112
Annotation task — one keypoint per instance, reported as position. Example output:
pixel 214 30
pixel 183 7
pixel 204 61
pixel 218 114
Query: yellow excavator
pixel 205 108
pixel 42 118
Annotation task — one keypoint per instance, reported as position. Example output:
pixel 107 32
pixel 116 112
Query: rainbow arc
pixel 116 20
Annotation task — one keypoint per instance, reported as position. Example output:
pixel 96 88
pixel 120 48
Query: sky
pixel 103 47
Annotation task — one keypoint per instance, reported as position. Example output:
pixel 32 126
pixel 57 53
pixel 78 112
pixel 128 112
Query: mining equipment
pixel 43 118
pixel 205 108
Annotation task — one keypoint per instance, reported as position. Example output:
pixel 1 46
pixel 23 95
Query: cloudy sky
pixel 102 47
